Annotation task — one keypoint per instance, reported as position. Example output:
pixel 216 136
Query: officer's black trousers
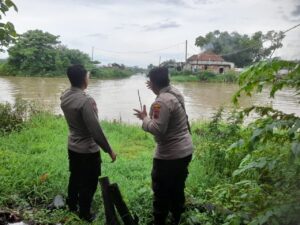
pixel 168 182
pixel 84 172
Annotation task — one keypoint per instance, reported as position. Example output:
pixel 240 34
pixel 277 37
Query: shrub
pixel 206 76
pixel 12 116
pixel 180 73
pixel 110 73
pixel 229 77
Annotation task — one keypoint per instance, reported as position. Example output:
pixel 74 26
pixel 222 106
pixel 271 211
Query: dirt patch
pixel 9 217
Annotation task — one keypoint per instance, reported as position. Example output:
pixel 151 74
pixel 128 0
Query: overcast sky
pixel 138 32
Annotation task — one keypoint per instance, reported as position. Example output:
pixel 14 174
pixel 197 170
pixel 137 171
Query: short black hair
pixel 159 76
pixel 76 74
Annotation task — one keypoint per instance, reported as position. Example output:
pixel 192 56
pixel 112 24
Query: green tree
pixel 66 57
pixel 40 53
pixel 77 57
pixel 241 49
pixel 8 33
pixel 34 52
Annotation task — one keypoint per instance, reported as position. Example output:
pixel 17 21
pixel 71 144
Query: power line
pixel 292 28
pixel 181 43
pixel 284 33
pixel 244 49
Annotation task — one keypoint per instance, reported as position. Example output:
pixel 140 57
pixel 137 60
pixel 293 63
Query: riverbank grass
pixel 226 185
pixel 204 76
pixel 96 72
pixel 34 168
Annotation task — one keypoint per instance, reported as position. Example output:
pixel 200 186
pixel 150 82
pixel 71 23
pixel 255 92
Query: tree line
pixel 241 49
pixel 41 53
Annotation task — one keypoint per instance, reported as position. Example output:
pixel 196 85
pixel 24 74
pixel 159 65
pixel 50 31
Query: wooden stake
pixel 121 205
pixel 110 213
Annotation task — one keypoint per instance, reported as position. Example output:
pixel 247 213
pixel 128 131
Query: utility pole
pixel 185 50
pixel 159 60
pixel 92 56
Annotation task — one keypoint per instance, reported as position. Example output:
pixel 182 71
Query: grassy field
pixel 34 166
pixel 185 78
pixel 204 76
pixel 111 73
pixel 34 169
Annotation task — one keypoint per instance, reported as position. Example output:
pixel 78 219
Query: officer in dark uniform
pixel 168 123
pixel 85 137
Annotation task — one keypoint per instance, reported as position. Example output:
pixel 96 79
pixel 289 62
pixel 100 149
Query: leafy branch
pixel 274 73
pixel 8 33
pixel 273 125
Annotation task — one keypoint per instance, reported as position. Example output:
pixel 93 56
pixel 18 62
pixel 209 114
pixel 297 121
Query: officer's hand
pixel 141 114
pixel 113 156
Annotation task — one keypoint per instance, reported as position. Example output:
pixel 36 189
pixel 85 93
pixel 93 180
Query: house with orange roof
pixel 208 61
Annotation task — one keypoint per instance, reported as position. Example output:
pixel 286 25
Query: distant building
pixel 172 65
pixel 208 61
pixel 115 65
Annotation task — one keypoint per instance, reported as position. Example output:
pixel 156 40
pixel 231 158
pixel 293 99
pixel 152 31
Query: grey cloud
pixel 109 2
pixel 173 2
pixel 161 26
pixel 296 11
pixel 206 2
pixel 96 35
pixel 92 3
pixel 202 1
pixel 165 24
pixel 191 3
pixel 127 25
pixel 119 27
pixel 294 20
pixel 293 16
pixel 291 19
pixel 280 10
pixel 293 44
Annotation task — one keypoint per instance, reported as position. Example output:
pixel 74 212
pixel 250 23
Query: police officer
pixel 85 137
pixel 168 123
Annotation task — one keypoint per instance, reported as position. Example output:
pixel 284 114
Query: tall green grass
pixel 111 73
pixel 184 78
pixel 225 185
pixel 34 167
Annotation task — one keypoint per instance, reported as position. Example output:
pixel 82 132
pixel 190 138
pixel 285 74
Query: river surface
pixel 117 98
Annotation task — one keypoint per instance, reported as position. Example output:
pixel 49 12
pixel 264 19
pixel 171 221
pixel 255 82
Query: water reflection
pixel 117 98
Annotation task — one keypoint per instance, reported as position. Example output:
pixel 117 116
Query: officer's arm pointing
pixel 90 118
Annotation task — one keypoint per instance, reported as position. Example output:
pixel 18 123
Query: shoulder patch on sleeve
pixel 156 110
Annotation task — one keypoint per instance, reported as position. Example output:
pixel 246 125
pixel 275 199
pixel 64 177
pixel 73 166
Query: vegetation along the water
pixel 239 174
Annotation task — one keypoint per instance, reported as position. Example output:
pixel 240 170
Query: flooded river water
pixel 117 98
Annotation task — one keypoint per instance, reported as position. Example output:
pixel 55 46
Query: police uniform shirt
pixel 85 133
pixel 168 124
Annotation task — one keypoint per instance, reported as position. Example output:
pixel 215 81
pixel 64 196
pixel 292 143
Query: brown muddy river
pixel 117 98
